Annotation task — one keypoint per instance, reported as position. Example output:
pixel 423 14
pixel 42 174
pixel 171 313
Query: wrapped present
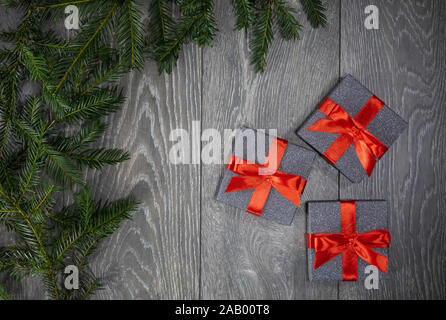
pixel 344 237
pixel 352 128
pixel 266 177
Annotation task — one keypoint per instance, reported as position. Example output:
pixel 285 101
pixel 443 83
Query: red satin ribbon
pixel 351 131
pixel 250 177
pixel 350 244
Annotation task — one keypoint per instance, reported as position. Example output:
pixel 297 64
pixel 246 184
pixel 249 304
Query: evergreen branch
pixel 57 165
pixel 314 10
pixel 81 52
pixel 161 23
pixel 99 104
pixel 131 36
pixel 36 66
pixel 262 36
pixel 57 104
pixel 167 53
pixel 86 253
pixel 44 198
pixel 103 78
pixel 63 4
pixel 94 284
pixel 61 169
pixel 88 133
pixel 244 11
pixel 206 27
pixel 29 170
pixel 7 118
pixel 41 247
pixel 289 27
pixel 103 221
pixel 97 158
pixel 3 294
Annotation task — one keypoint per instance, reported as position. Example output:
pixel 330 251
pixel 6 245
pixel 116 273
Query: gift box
pixel 352 128
pixel 266 176
pixel 344 237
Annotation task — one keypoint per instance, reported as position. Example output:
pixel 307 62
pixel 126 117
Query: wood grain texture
pixel 404 63
pixel 243 256
pixel 155 256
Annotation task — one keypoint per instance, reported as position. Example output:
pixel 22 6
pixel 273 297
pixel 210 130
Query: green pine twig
pixel 315 11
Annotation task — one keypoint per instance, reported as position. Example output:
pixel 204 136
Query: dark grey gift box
pixel 325 217
pixel 296 161
pixel 352 96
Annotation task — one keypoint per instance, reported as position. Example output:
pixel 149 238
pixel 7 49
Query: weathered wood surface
pixel 404 62
pixel 183 244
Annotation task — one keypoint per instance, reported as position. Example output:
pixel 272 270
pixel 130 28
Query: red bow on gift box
pixel 352 131
pixel 263 178
pixel 350 244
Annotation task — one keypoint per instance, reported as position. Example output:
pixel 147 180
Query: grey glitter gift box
pixel 352 96
pixel 296 161
pixel 325 218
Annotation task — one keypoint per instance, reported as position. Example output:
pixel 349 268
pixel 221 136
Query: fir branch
pixel 60 168
pixel 3 294
pixel 244 12
pixel 97 158
pixel 131 38
pixel 197 24
pixel 166 54
pixel 289 27
pixel 81 52
pixel 94 286
pixel 45 198
pixel 94 106
pixel 314 10
pixel 107 77
pixel 262 36
pixel 206 26
pixel 63 4
pixel 161 23
pixel 36 66
pixel 32 238
pixel 30 170
pixel 98 224
pixel 87 134
pixel 57 164
pixel 34 154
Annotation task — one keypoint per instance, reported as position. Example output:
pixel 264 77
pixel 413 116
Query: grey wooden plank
pixel 243 256
pixel 155 256
pixel 404 63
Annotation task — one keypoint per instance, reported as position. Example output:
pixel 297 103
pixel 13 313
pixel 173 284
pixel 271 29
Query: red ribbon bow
pixel 350 244
pixel 351 131
pixel 251 177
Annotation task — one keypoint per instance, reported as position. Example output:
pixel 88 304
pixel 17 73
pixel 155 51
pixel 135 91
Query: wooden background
pixel 182 244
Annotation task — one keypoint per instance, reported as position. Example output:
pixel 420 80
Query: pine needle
pixel 314 10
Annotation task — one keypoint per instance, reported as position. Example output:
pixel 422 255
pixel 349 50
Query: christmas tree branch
pixel 63 4
pixel 3 294
pixel 262 36
pixel 101 26
pixel 314 10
